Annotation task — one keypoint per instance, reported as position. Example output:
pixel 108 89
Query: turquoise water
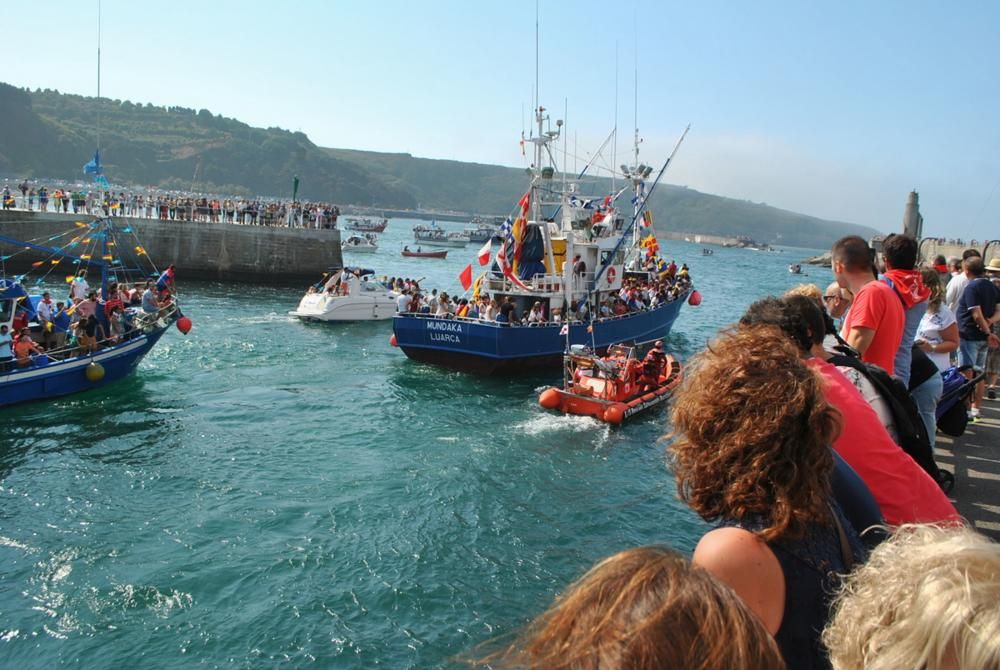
pixel 268 493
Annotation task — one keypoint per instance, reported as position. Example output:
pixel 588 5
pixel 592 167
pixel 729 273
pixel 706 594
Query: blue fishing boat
pixel 70 367
pixel 567 258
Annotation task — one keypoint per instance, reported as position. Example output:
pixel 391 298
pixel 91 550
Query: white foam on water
pixel 543 423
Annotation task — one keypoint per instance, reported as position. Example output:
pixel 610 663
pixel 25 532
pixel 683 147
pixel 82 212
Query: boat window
pixel 6 307
pixel 619 258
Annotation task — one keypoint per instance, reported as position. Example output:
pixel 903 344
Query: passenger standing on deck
pixel 874 325
pixel 6 349
pixel 150 305
pixel 24 347
pixel 60 326
pixel 87 307
pixel 752 454
pixel 44 310
pixel 79 288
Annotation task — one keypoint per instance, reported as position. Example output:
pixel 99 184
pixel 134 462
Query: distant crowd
pixel 172 207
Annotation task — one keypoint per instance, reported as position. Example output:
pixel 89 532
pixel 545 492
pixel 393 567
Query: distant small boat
pixel 366 244
pixel 795 269
pixel 436 236
pixel 707 252
pixel 425 254
pixel 367 225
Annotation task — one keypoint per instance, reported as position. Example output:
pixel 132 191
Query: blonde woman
pixel 937 334
pixel 927 598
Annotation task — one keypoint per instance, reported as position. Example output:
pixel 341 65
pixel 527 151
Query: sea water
pixel 265 492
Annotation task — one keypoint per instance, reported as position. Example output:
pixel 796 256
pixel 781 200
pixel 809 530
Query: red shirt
pixel 876 306
pixel 904 491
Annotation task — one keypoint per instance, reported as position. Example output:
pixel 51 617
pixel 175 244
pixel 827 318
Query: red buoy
pixel 695 299
pixel 549 399
pixel 392 340
pixel 184 325
pixel 615 414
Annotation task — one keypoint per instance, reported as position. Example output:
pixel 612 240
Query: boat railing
pixel 571 320
pixel 141 324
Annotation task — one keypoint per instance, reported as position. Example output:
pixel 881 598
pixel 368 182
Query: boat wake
pixel 544 424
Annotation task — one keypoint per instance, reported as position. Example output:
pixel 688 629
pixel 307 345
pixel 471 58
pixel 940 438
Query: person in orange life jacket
pixel 24 347
pixel 652 366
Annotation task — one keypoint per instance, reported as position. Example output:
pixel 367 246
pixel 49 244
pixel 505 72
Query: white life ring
pixel 611 276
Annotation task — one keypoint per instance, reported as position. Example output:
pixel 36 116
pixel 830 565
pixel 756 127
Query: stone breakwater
pixel 213 251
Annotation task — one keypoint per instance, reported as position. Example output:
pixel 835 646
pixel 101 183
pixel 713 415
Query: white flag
pixel 484 253
pixel 564 330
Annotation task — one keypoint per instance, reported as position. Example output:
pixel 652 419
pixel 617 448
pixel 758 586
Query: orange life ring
pixel 611 276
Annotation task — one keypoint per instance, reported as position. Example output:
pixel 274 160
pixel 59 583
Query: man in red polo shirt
pixel 874 324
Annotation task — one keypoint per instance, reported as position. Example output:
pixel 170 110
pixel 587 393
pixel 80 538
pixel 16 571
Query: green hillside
pixel 47 134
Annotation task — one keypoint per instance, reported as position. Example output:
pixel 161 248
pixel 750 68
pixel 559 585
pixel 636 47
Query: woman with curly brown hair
pixel 646 608
pixel 752 453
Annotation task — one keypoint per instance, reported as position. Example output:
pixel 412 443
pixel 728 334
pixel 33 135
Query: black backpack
pixel 912 435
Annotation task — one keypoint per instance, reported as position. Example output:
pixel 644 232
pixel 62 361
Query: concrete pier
pixel 975 460
pixel 199 250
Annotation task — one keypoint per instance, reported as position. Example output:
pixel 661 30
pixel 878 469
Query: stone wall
pixel 222 251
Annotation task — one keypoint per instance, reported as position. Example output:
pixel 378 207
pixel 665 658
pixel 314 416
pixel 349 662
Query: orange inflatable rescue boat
pixel 616 386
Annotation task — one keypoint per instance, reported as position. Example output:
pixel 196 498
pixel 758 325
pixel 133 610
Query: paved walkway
pixel 975 460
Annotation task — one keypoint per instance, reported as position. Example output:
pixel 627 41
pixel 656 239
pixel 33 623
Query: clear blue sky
pixel 836 110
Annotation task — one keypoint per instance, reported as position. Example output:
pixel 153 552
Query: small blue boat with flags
pixel 593 274
pixel 129 332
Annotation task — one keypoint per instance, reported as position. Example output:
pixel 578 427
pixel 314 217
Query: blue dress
pixel 812 565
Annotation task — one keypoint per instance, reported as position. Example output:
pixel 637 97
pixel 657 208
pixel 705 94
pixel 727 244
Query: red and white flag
pixel 484 253
pixel 507 270
pixel 564 330
pixel 466 277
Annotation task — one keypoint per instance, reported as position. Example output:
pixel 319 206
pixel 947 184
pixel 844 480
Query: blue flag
pixel 94 166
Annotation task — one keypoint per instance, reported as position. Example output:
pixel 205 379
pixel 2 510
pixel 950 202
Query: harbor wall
pixel 200 250
pixel 698 238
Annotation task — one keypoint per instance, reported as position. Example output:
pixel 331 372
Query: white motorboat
pixel 361 244
pixel 359 297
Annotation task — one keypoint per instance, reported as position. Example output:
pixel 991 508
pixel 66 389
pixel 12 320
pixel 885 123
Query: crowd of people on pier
pixel 86 321
pixel 833 542
pixel 171 207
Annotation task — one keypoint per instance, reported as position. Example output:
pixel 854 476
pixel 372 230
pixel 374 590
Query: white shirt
pixel 954 291
pixel 45 310
pixel 79 288
pixel 930 329
pixel 403 303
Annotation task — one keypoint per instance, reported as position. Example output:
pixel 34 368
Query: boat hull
pixel 481 347
pixel 425 254
pixel 320 307
pixel 68 376
pixel 443 242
